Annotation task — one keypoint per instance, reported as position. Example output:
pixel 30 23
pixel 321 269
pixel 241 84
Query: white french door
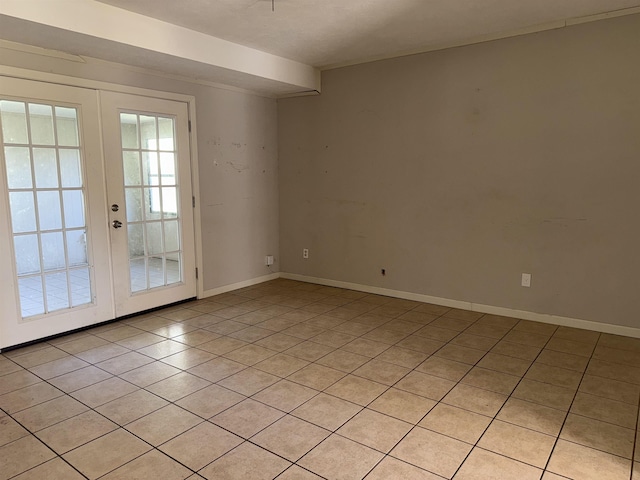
pixel 150 200
pixel 65 185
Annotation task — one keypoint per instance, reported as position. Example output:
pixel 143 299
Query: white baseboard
pixel 243 284
pixel 475 307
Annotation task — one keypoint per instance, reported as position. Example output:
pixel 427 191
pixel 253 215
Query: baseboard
pixel 475 307
pixel 238 285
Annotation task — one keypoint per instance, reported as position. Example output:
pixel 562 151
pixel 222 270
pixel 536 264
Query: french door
pixel 94 223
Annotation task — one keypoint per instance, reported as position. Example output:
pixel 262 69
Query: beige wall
pixel 458 170
pixel 238 161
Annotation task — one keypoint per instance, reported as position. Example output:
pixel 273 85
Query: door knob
pixel 116 224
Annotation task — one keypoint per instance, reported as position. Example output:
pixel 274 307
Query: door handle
pixel 116 224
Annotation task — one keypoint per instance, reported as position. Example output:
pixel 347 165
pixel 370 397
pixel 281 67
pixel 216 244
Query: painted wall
pixel 238 162
pixel 458 170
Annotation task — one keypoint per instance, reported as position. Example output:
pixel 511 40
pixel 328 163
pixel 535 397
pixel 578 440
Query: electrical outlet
pixel 526 279
pixel 305 253
pixel 268 260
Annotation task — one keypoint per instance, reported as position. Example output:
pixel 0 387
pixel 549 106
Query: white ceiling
pixel 335 32
pixel 245 44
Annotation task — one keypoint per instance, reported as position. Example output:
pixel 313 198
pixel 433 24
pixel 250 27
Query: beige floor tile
pixel 163 424
pixel 249 354
pixel 178 386
pixel 201 445
pixel 474 341
pixel 342 360
pixel 457 325
pixel 357 390
pixel 327 411
pixel 425 385
pixel 392 468
pixel 544 394
pixel 432 309
pixel 75 431
pixel 475 399
pixel 385 335
pixel 618 413
pixel 636 471
pixel 72 381
pixel 82 344
pixel 538 328
pixel 149 374
pixel 333 339
pixel 10 430
pixel 375 430
pixel 615 355
pixel 285 395
pixel 117 333
pixel 561 377
pixel 279 342
pixel 491 380
pixel 140 341
pixel 309 351
pixel 7 366
pixel 249 381
pixel 247 418
pixel 484 330
pixel 163 349
pixel 504 364
pixel 295 472
pixel 102 353
pixel 552 476
pixel 484 465
pixel 251 334
pixel 564 360
pixel 402 357
pixel 599 435
pixel 303 331
pixel 443 368
pixel 402 405
pixel 217 369
pixel 16 380
pixel 458 353
pixel 153 464
pixel 281 365
pixel 210 401
pixel 456 422
pixel 103 392
pixel 511 349
pixel 579 462
pixel 568 346
pixel 420 344
pixel 613 371
pixel 43 355
pixel 431 451
pixel 381 372
pixel 436 333
pixel 533 416
pixel 188 358
pixel 221 345
pixel 577 335
pixel 518 443
pixel 620 342
pixel 463 314
pixel 352 327
pixel 368 348
pixel 49 413
pixel 124 363
pixel 246 461
pixel 613 389
pixel 316 376
pixel 225 328
pixel 58 367
pixel 290 437
pixel 418 317
pixel 28 396
pixel 340 459
pixel 526 338
pixel 21 455
pixel 52 470
pixel 131 407
pixel 106 453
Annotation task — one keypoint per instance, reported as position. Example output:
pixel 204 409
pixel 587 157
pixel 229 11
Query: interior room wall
pixel 458 170
pixel 238 161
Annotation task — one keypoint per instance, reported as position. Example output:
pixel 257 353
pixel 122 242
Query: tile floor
pixel 290 380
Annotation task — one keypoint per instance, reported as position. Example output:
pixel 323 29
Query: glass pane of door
pixel 151 200
pixel 42 157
